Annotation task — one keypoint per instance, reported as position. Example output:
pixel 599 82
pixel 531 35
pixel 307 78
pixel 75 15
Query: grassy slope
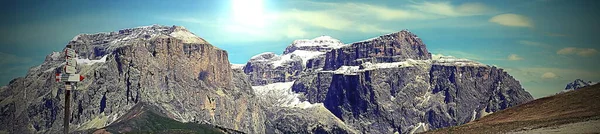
pixel 570 107
pixel 145 119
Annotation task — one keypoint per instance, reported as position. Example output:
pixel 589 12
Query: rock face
pixel 393 47
pixel 303 54
pixel 577 84
pixel 391 83
pixel 168 67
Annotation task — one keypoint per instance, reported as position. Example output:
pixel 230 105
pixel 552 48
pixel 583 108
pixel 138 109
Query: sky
pixel 544 44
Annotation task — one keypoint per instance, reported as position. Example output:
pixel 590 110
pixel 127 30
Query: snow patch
pixel 277 60
pixel 420 127
pixel 91 62
pixel 322 41
pixel 263 56
pixel 439 59
pixel 76 37
pixel 281 93
pixel 55 55
pixel 306 55
pixel 346 70
pixel 353 70
pixel 407 63
pixel 237 66
pixel 474 115
pixel 186 36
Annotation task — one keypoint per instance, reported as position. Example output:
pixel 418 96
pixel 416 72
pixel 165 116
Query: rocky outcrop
pixel 301 55
pixel 394 47
pixel 416 98
pixel 391 83
pixel 318 44
pixel 577 84
pixel 168 67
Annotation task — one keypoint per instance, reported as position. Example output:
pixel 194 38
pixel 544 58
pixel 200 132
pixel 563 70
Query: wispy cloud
pixel 447 9
pixel 532 43
pixel 512 20
pixel 514 57
pixel 315 17
pixel 549 75
pixel 585 52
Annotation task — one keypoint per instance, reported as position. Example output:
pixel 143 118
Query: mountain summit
pixel 577 84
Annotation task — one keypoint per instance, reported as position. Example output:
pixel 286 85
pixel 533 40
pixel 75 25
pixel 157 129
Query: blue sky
pixel 542 43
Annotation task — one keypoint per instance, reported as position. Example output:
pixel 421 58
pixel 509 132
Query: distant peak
pixel 324 37
pixel 402 33
pixel 578 83
pixel 264 56
pixel 323 41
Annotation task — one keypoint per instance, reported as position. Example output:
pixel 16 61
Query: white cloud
pixel 318 19
pixel 549 75
pixel 512 20
pixel 447 9
pixel 532 43
pixel 514 57
pixel 585 52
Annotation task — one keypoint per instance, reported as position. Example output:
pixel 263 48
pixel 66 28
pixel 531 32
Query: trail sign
pixel 70 79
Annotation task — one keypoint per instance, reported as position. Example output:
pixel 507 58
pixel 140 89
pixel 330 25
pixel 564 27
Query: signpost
pixel 70 79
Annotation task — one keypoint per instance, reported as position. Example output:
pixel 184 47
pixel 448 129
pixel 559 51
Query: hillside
pixel 559 113
pixel 146 119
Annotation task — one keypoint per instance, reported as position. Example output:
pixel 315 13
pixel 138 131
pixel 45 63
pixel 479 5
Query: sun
pixel 248 12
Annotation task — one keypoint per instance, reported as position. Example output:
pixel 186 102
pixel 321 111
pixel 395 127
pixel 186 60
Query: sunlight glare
pixel 248 12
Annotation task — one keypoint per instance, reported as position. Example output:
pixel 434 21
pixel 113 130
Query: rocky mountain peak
pixel 577 84
pixel 263 56
pixel 94 46
pixel 393 47
pixel 320 44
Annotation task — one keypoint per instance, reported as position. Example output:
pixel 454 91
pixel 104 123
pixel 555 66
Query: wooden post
pixel 67 106
pixel 70 78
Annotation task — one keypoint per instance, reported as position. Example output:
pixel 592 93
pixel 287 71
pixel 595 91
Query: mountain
pixel 577 84
pixel 571 112
pixel 388 84
pixel 167 67
pixel 139 77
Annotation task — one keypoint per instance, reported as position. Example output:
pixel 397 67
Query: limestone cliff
pixel 391 83
pixel 168 67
